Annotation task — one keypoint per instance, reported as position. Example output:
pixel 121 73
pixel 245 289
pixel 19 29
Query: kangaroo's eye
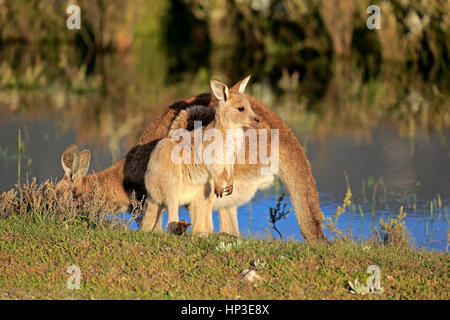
pixel 241 109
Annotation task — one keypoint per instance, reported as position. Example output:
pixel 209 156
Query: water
pixel 405 162
pixel 404 175
pixel 387 158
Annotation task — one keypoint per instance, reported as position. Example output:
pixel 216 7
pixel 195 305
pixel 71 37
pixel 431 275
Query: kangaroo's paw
pixel 218 191
pixel 229 190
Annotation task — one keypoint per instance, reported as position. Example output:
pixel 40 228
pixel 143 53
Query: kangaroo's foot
pixel 181 227
pixel 171 226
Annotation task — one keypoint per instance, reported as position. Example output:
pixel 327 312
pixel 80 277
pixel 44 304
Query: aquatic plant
pixel 19 156
pixel 394 232
pixel 331 222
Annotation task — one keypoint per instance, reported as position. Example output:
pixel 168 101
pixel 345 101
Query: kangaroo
pixel 244 189
pixel 170 184
pixel 126 176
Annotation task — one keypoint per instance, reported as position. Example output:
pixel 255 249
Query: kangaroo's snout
pixel 254 123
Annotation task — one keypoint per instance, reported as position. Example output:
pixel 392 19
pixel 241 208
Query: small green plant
pixel 358 288
pixel 278 213
pixel 394 232
pixel 225 247
pixel 259 265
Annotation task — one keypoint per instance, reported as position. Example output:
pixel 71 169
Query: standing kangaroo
pixel 126 176
pixel 171 183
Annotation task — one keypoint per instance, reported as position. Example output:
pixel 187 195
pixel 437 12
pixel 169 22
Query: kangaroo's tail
pixel 295 172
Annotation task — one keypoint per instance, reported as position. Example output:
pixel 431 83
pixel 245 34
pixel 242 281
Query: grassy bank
pixel 118 264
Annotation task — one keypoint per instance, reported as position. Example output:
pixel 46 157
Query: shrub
pixel 394 233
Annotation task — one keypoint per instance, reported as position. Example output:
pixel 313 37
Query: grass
pixel 42 237
pixel 118 264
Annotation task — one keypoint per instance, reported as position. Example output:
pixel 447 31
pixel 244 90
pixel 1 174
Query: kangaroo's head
pixel 75 165
pixel 234 110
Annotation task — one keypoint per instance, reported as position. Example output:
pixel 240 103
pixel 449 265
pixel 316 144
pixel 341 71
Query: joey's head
pixel 75 165
pixel 234 109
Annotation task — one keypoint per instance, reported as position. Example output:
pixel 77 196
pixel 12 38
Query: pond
pixel 388 158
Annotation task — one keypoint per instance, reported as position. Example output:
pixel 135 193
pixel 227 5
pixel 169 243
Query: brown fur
pixel 127 175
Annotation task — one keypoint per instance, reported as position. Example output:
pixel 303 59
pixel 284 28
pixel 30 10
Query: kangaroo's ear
pixel 241 85
pixel 219 89
pixel 85 159
pixel 70 160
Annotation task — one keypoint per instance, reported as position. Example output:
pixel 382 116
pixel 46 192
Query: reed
pixel 19 155
pixel 374 199
pixel 347 181
pixel 361 212
pixel 431 211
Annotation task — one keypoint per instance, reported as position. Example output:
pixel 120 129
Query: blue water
pixel 412 171
pixel 408 173
pixel 253 220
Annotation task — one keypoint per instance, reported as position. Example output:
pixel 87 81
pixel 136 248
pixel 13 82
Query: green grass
pixel 119 264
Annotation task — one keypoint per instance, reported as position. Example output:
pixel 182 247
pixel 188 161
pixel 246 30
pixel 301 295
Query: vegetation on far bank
pixel 313 62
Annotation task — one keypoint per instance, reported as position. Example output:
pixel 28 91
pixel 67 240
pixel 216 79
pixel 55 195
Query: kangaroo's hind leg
pixel 151 221
pixel 228 221
pixel 200 210
pixel 173 187
pixel 172 209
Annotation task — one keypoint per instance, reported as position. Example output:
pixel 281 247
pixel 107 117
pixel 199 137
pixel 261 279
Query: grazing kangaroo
pixel 171 183
pixel 127 175
pixel 75 165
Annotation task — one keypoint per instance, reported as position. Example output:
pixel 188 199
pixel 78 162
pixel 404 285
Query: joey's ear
pixel 85 159
pixel 219 89
pixel 241 85
pixel 70 160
